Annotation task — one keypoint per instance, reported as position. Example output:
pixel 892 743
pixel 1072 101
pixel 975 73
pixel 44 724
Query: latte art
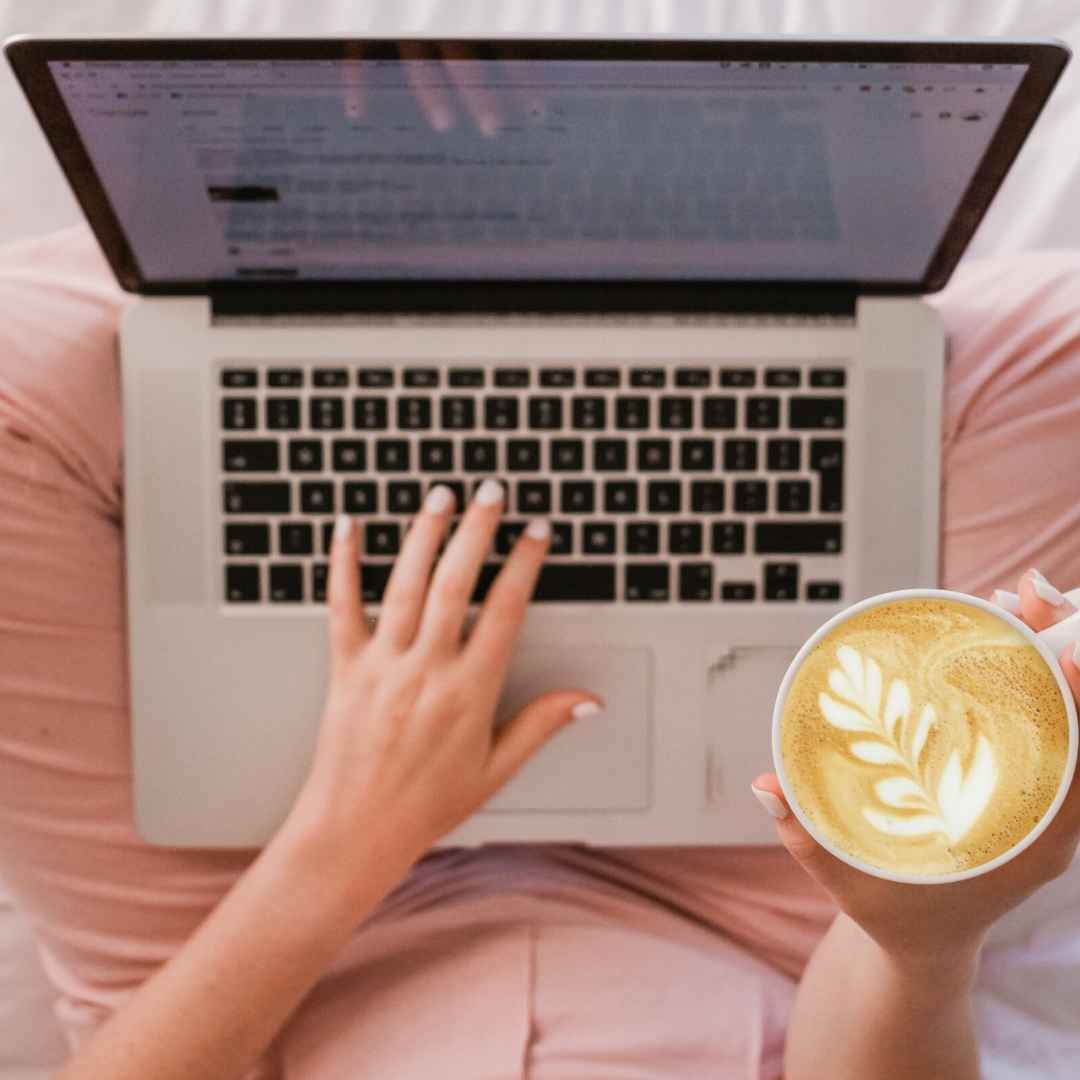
pixel 924 736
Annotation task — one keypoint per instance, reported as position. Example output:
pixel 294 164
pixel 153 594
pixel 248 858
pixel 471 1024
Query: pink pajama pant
pixel 554 962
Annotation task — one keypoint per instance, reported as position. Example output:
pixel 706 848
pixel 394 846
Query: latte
pixel 924 736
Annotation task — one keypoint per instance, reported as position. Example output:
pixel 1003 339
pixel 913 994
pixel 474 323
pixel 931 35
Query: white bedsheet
pixel 1028 995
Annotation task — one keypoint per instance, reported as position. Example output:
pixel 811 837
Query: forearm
pixel 860 1015
pixel 218 1003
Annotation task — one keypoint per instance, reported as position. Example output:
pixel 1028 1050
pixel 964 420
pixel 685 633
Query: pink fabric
pixel 553 962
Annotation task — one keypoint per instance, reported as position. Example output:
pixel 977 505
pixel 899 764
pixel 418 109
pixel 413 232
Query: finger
pixel 521 737
pixel 403 601
pixel 455 576
pixel 498 624
pixel 352 80
pixel 1041 605
pixel 348 630
pixel 467 74
pixel 424 75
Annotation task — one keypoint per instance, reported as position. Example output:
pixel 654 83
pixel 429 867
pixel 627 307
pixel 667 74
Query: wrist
pixel 952 965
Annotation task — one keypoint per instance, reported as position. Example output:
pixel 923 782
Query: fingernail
pixel 441 118
pixel 1007 600
pixel 489 493
pixel 342 528
pixel 770 802
pixel 538 529
pixel 585 708
pixel 1045 591
pixel 439 499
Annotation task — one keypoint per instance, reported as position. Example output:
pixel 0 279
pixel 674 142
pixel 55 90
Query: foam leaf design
pixel 897 740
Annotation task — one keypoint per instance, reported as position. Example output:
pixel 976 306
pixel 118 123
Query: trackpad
pixel 598 763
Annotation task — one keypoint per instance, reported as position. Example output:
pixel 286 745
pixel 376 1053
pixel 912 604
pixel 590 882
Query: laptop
pixel 668 291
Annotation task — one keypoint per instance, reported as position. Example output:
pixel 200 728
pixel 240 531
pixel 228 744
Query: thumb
pixel 521 737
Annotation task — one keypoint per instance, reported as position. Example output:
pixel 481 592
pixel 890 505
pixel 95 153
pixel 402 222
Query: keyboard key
pixel 603 377
pixel 375 377
pixel 648 581
pixel 282 414
pixel 781 581
pixel 370 414
pixel 557 377
pixel 823 590
pixel 815 412
pixel 654 455
pixel 654 377
pixel 534 496
pixel 738 377
pixel 828 377
pixel 783 455
pixel 718 413
pixel 697 376
pixel 238 414
pixel 545 413
pixel 798 538
pixel 249 455
pixel 403 496
pixel 320 574
pixel 326 414
pixel 316 497
pixel 685 537
pixel 575 582
pixel 480 455
pixel 350 455
pixel 676 412
pixel 511 377
pixel 436 455
pixel 253 498
pixel 413 413
pixel 296 538
pixel 740 455
pixel 707 496
pixel 373 579
pixel 695 581
pixel 506 536
pixel 330 377
pixel 751 496
pixel 620 496
pixel 610 455
pixel 239 377
pixel 792 496
pixel 738 590
pixel 382 538
pixel 392 455
pixel 589 413
pixel 286 583
pixel 361 497
pixel 466 377
pixel 457 413
pixel 562 538
pixel 567 455
pixel 242 583
pixel 728 538
pixel 762 412
pixel 485 579
pixel 327 530
pixel 577 496
pixel 642 538
pixel 783 377
pixel 599 538
pixel 305 455
pixel 458 489
pixel 664 497
pixel 500 413
pixel 827 458
pixel 247 539
pixel 697 455
pixel 421 377
pixel 632 413
pixel 285 377
pixel 523 455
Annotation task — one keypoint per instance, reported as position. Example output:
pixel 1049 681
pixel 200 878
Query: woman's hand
pixel 921 923
pixel 407 749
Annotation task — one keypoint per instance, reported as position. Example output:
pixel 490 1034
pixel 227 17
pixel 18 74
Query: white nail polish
pixel 538 529
pixel 1007 600
pixel 1045 591
pixel 439 499
pixel 770 802
pixel 585 708
pixel 342 527
pixel 489 493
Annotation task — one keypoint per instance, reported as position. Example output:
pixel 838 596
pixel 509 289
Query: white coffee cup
pixel 1049 644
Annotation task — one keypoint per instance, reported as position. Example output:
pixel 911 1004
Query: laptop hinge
pixel 547 297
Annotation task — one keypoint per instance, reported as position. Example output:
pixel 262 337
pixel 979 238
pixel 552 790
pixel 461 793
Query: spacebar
pixel 560 582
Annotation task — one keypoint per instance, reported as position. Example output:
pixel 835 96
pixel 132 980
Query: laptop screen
pixel 421 164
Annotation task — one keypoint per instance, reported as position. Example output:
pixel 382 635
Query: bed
pixel 1029 984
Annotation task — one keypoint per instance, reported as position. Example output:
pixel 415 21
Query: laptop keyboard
pixel 690 484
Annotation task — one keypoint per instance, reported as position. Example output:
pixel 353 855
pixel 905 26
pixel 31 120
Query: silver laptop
pixel 667 291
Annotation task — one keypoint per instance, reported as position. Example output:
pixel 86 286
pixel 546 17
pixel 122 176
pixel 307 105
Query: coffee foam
pixel 989 762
